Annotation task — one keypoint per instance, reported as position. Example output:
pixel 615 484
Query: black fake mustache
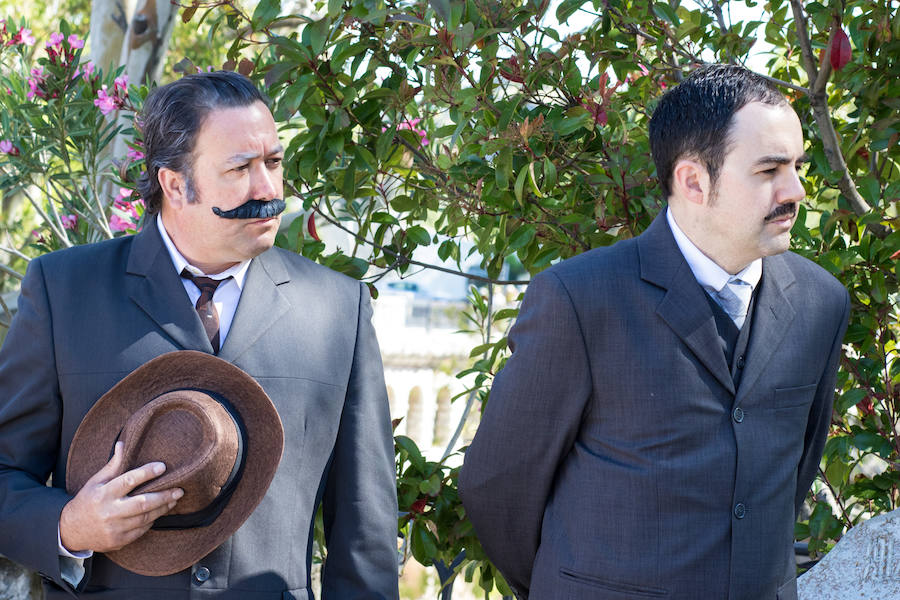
pixel 253 209
pixel 785 209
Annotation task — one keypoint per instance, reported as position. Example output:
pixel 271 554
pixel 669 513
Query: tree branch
pixel 822 114
pixel 401 259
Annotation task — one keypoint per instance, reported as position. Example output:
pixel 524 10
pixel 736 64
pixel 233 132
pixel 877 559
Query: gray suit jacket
pixel 610 463
pixel 90 315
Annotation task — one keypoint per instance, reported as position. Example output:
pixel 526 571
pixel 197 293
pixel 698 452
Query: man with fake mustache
pixel 665 407
pixel 201 275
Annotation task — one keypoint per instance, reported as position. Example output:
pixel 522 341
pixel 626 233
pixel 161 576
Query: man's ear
pixel 690 180
pixel 174 187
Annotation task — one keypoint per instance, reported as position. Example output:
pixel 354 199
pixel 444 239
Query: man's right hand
pixel 103 517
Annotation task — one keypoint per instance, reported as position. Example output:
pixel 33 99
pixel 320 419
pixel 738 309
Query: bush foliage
pixel 425 123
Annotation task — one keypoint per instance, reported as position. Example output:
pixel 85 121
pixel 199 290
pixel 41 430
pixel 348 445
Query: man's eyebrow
pixel 243 157
pixel 781 159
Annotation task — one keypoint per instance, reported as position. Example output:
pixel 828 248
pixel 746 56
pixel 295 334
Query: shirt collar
pixel 238 271
pixel 708 274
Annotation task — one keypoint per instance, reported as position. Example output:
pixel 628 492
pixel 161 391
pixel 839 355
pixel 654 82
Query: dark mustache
pixel 253 209
pixel 784 209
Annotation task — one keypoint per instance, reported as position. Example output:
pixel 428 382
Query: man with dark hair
pixel 665 407
pixel 90 315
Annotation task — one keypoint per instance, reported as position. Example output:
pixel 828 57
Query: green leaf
pixel 868 441
pixel 334 7
pixel 265 13
pixel 412 451
pixel 521 237
pixel 431 486
pixel 423 544
pixel 404 203
pixel 441 8
pixel 575 121
pixel 566 9
pixel 384 142
pixel 419 235
pixel 549 174
pixel 318 34
pixel 849 399
pixel 506 313
pixel 665 12
pixel 520 184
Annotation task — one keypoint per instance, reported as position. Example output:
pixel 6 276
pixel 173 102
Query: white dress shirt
pixel 709 275
pixel 226 296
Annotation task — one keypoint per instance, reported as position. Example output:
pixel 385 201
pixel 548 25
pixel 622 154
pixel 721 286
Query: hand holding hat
pixel 218 435
pixel 102 516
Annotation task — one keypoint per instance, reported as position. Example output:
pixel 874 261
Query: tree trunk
pixel 109 22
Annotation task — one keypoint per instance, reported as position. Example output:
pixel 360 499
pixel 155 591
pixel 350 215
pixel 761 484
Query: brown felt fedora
pixel 218 434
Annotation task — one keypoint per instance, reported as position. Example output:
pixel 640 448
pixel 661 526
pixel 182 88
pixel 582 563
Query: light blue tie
pixel 734 298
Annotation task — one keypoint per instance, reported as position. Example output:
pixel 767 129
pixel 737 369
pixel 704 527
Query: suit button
pixel 740 362
pixel 738 415
pixel 201 575
pixel 740 510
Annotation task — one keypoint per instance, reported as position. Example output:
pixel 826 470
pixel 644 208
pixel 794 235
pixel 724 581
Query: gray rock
pixel 864 565
pixel 18 584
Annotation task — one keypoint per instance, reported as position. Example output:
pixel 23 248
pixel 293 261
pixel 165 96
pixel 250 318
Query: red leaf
pixel 311 227
pixel 840 50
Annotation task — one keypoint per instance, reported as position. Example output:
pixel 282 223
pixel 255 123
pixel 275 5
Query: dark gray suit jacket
pixel 610 463
pixel 90 315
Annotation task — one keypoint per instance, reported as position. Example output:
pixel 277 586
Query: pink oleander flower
pixel 86 70
pixel 24 36
pixel 117 223
pixel 121 84
pixel 7 147
pixel 75 42
pixel 69 221
pixel 34 82
pixel 105 102
pixel 128 209
pixel 134 154
pixel 56 39
pixel 410 124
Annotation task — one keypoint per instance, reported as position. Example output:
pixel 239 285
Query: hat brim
pixel 164 552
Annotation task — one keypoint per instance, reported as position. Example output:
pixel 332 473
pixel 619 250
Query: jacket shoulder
pixel 85 257
pixel 808 273
pixel 618 260
pixel 300 266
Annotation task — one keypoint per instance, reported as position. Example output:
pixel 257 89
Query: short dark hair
pixel 694 118
pixel 172 117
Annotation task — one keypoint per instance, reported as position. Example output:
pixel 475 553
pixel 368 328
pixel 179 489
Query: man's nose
pixel 792 188
pixel 263 185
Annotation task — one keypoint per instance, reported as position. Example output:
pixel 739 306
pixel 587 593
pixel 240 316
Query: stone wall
pixel 18 584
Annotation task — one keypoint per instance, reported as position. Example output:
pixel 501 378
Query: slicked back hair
pixel 171 120
pixel 693 120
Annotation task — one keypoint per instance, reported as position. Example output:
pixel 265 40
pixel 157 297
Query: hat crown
pixel 194 435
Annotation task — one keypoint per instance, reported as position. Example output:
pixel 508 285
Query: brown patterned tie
pixel 205 306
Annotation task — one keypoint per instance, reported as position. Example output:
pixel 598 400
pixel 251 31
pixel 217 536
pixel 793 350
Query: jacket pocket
pixel 620 589
pixel 787 591
pixel 794 396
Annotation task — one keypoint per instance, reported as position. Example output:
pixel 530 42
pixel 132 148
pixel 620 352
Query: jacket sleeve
pixel 820 414
pixel 530 423
pixel 30 415
pixel 360 496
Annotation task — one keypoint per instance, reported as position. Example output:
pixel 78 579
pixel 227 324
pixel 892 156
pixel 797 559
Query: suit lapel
pixel 261 304
pixel 684 307
pixel 771 321
pixel 157 289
